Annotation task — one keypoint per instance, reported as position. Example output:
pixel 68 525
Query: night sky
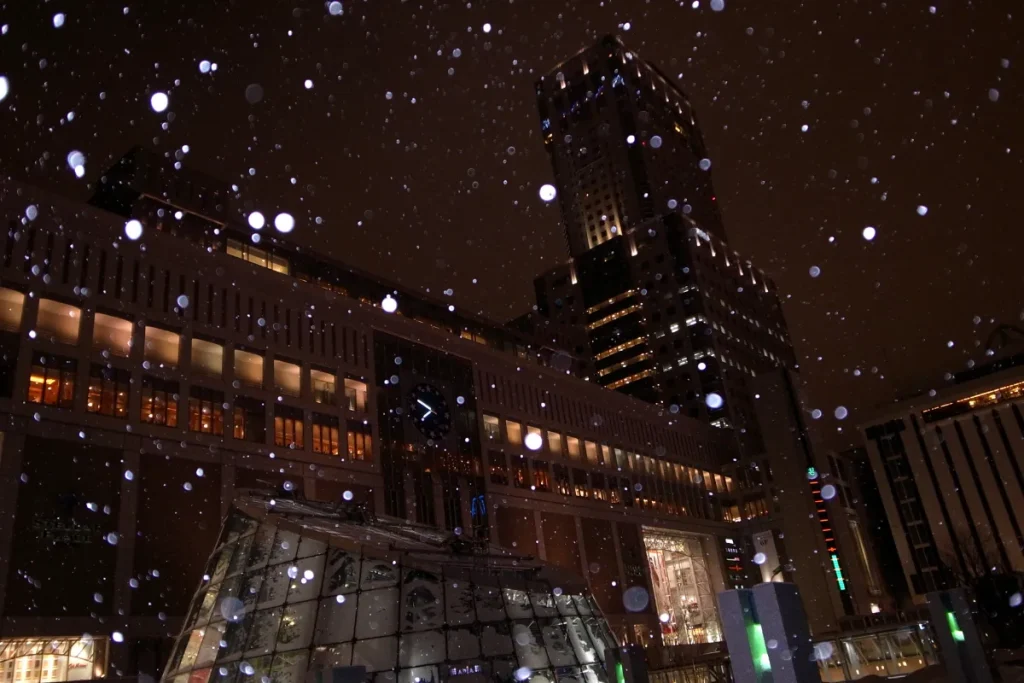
pixel 906 104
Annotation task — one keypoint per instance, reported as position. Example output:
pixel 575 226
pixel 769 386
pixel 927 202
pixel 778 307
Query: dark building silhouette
pixel 652 294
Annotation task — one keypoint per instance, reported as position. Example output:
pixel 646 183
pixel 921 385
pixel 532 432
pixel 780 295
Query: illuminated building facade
pixel 144 382
pixel 624 144
pixel 950 470
pixel 296 587
pixel 653 296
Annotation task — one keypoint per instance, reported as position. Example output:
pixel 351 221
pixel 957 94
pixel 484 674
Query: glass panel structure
pixel 298 587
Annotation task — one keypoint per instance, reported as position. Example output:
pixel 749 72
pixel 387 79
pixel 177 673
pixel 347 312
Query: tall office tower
pixel 657 304
pixel 669 312
pixel 624 144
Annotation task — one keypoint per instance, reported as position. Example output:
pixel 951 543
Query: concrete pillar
pixel 767 635
pixel 743 635
pixel 784 622
pixel 959 641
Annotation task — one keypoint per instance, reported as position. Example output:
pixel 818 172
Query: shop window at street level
pixel 108 391
pixel 519 474
pixel 12 305
pixel 159 402
pixel 59 321
pixel 52 381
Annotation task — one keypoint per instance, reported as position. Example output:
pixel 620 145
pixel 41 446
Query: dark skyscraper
pixel 652 295
pixel 624 144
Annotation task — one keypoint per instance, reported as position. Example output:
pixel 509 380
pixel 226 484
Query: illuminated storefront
pixel 683 591
pixel 52 660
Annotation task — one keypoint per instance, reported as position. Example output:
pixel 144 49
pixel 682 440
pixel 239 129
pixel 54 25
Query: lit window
pixel 206 411
pixel 59 321
pixel 249 419
pixel 541 476
pixel 572 447
pixel 581 487
pixel 514 430
pixel 287 378
pixel 492 427
pixel 325 434
pixel 674 327
pixel 499 467
pixel 161 346
pixel 257 256
pixel 207 357
pixel 249 368
pixel 112 334
pixel 360 440
pixel 52 382
pixel 288 428
pixel 591 449
pixel 52 660
pixel 355 394
pixel 108 391
pixel 555 443
pixel 12 304
pixel 324 385
pixel 159 402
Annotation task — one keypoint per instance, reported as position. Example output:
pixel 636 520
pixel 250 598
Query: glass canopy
pixel 298 590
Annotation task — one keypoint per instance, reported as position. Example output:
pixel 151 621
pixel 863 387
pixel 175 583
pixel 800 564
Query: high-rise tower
pixel 625 146
pixel 652 294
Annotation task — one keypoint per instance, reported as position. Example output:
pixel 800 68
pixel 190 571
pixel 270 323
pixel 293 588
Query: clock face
pixel 429 411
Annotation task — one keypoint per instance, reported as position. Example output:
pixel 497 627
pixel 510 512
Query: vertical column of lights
pixel 734 563
pixel 826 526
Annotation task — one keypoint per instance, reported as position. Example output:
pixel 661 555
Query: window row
pixel 52 383
pixel 595 454
pixel 672 497
pixel 114 335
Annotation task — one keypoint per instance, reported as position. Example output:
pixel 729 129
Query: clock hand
pixel 429 409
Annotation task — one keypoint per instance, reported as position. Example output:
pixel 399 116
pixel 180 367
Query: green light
pixel 758 648
pixel 812 473
pixel 839 572
pixel 620 673
pixel 954 627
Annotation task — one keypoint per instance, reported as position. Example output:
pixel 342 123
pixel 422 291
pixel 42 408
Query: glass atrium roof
pixel 299 591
